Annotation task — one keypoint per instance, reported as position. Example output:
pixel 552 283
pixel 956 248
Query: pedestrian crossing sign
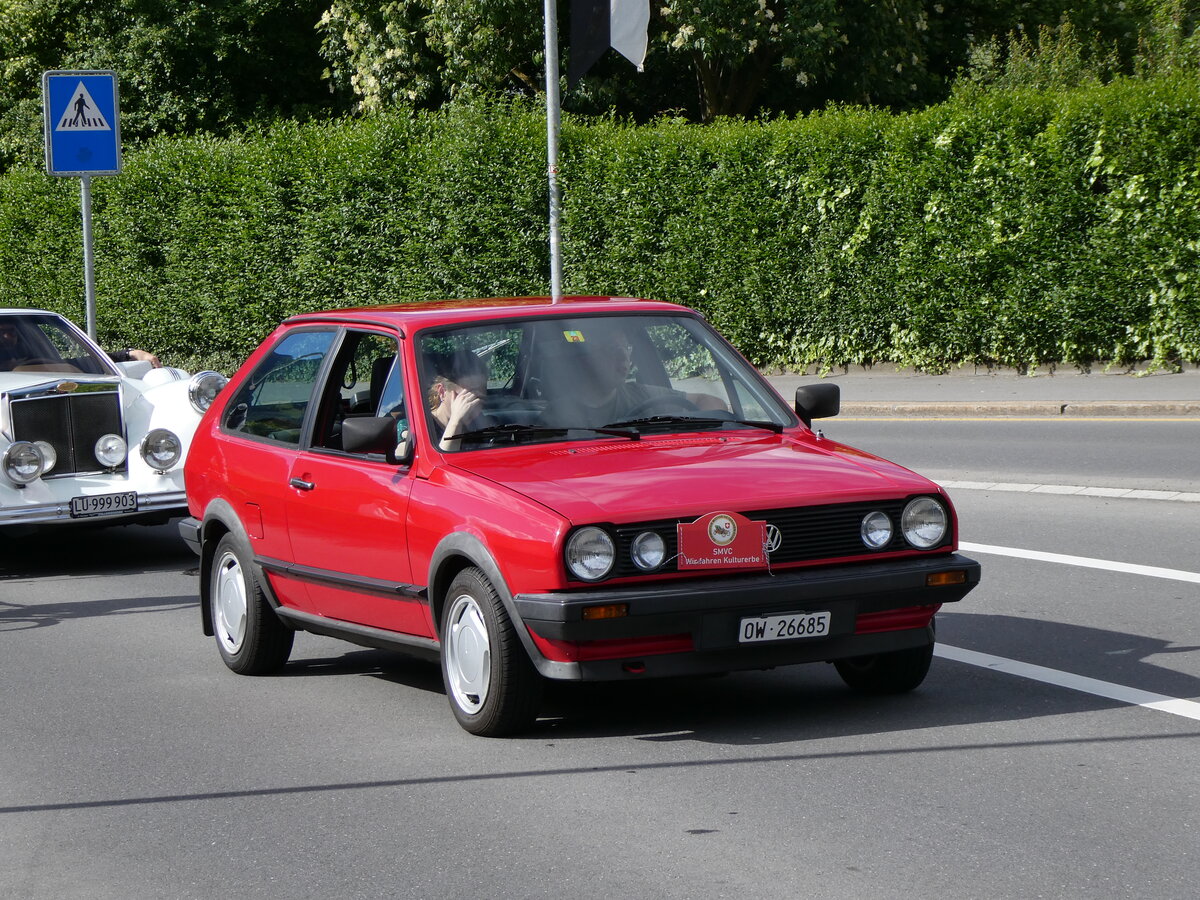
pixel 81 114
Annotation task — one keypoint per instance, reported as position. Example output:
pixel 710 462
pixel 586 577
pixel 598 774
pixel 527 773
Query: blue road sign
pixel 82 117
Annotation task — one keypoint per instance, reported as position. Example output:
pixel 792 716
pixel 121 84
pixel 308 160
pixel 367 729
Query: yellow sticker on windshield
pixel 573 337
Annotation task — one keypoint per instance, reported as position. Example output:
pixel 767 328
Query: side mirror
pixel 376 434
pixel 818 401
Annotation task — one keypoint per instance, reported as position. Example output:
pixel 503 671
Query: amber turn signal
pixel 608 611
pixel 938 579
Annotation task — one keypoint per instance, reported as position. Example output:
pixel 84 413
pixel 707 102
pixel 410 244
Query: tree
pixel 707 58
pixel 181 67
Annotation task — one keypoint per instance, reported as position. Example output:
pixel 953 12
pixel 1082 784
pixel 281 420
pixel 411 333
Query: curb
pixel 1031 408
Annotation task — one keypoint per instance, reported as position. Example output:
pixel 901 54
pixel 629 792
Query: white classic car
pixel 87 439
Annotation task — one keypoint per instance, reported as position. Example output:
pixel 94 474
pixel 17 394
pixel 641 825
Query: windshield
pixel 581 377
pixel 46 343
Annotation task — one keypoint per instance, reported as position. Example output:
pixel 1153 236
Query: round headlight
pixel 876 530
pixel 161 449
pixel 924 523
pixel 23 462
pixel 648 550
pixel 49 456
pixel 590 553
pixel 203 389
pixel 111 450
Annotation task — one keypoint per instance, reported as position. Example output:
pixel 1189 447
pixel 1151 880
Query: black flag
pixel 597 25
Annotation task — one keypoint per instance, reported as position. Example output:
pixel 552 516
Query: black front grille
pixel 807 533
pixel 71 424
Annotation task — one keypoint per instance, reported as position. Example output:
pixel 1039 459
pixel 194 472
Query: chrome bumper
pixel 60 511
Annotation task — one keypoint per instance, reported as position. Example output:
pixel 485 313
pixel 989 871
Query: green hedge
pixel 1008 228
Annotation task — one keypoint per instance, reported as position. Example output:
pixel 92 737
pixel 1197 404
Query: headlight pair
pixel 923 525
pixel 591 553
pixel 27 461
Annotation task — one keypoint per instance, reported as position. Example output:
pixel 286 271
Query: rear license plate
pixel 784 627
pixel 103 504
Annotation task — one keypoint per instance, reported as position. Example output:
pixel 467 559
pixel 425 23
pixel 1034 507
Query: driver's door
pixel 347 511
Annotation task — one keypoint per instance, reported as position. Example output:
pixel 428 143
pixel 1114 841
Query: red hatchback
pixel 594 489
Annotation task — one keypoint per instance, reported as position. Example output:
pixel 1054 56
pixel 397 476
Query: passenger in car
pixel 594 389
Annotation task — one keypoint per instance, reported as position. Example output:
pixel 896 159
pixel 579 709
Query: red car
pixel 593 489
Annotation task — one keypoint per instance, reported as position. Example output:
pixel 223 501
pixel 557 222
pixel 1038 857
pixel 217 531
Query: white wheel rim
pixel 229 603
pixel 468 655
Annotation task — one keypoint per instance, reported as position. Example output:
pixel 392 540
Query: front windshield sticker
pixel 722 540
pixel 573 337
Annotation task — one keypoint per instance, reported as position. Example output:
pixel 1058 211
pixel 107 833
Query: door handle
pixel 301 484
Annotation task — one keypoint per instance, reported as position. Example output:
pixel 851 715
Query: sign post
pixel 83 138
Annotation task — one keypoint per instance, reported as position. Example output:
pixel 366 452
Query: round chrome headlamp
pixel 161 449
pixel 876 530
pixel 648 550
pixel 111 450
pixel 49 456
pixel 23 462
pixel 203 389
pixel 924 523
pixel 590 553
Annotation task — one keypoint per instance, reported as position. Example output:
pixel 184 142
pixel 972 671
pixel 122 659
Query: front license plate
pixel 785 627
pixel 103 504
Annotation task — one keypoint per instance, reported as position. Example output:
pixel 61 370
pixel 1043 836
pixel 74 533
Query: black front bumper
pixel 710 611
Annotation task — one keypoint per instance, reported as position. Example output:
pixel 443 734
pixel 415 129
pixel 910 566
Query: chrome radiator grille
pixel 71 424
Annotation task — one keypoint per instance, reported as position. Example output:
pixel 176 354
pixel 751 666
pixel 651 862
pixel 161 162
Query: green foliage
pixel 181 67
pixel 706 58
pixel 1019 227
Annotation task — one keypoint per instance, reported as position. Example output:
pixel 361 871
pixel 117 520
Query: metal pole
pixel 89 262
pixel 553 116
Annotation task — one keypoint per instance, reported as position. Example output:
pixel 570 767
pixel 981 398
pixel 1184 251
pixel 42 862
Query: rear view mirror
pixel 818 401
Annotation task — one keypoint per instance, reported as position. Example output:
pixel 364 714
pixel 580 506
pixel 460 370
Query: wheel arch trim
pixel 221 519
pixel 459 550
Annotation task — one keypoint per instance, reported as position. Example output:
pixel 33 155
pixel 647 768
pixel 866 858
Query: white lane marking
pixel 1077 490
pixel 1083 561
pixel 1189 709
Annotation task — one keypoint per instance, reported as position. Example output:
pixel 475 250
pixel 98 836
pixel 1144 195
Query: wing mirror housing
pixel 377 434
pixel 818 401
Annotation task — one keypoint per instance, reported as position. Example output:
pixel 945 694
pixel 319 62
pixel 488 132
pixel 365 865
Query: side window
pixel 366 379
pixel 271 403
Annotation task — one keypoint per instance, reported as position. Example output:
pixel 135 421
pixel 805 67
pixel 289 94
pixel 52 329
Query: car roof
pixel 447 312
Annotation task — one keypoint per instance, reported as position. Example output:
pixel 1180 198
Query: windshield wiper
pixel 696 420
pixel 514 430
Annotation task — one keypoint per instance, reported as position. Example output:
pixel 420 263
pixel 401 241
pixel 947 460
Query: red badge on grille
pixel 722 540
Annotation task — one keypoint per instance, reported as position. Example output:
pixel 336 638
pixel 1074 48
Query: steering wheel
pixel 665 405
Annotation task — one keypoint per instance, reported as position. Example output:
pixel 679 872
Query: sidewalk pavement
pixel 887 391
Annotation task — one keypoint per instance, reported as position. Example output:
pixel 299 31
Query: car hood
pixel 690 475
pixel 21 381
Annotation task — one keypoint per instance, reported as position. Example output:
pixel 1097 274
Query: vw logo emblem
pixel 774 538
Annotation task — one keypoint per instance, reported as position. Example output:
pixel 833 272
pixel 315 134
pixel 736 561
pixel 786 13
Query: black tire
pixel 887 673
pixel 250 637
pixel 492 686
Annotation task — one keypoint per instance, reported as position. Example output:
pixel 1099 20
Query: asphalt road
pixel 1050 753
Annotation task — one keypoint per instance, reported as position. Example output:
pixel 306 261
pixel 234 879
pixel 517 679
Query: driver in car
pixel 603 393
pixel 14 351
